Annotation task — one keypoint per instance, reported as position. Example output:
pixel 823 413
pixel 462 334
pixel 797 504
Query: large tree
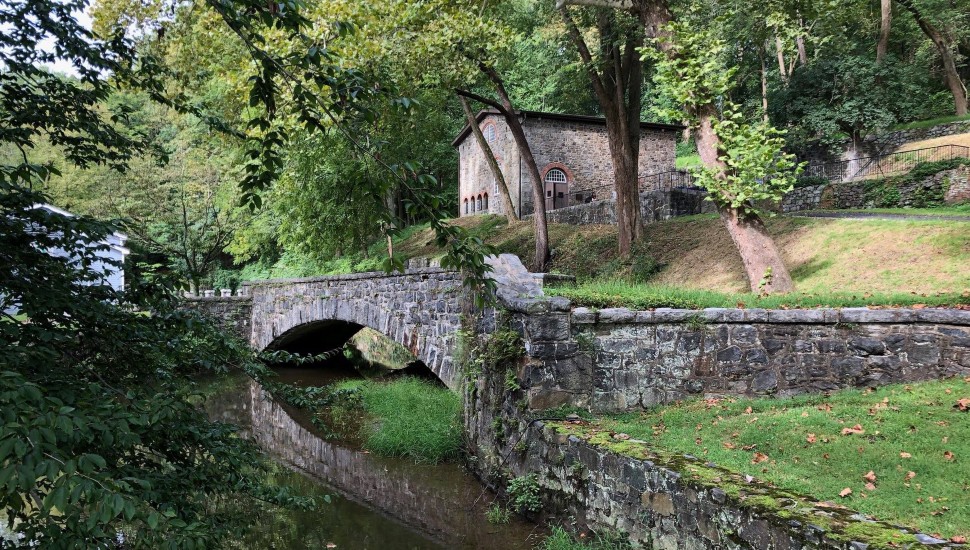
pixel 699 83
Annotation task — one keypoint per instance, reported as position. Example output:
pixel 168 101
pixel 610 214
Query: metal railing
pixel 880 166
pixel 662 181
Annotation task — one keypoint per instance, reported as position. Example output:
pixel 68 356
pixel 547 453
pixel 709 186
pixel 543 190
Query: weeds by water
pixel 498 514
pixel 411 418
pixel 562 540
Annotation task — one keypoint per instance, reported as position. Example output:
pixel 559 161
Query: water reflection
pixel 443 502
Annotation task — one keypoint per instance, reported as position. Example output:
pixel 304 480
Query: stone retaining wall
pixel 952 185
pixel 884 143
pixel 644 358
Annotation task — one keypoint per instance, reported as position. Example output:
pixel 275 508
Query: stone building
pixel 572 153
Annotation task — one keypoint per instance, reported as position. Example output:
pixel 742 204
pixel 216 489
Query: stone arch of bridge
pixel 322 325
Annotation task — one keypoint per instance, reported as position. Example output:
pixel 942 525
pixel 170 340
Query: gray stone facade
pixel 577 145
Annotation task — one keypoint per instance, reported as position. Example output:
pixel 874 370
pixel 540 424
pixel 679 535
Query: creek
pixel 374 502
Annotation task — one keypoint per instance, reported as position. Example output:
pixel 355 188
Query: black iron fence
pixel 663 181
pixel 880 166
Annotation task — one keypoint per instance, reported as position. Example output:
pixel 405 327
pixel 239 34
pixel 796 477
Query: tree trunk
pixel 762 261
pixel 780 49
pixel 764 86
pixel 885 24
pixel 503 188
pixel 802 52
pixel 942 44
pixel 618 90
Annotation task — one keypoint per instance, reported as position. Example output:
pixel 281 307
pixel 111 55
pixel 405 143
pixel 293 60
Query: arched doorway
pixel 557 188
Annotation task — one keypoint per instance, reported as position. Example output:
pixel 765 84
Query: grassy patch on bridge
pixel 898 453
pixel 407 417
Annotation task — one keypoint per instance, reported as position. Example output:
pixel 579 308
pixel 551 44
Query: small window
pixel 466 206
pixel 489 132
pixel 479 203
pixel 485 196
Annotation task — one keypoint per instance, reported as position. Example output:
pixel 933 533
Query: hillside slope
pixel 696 252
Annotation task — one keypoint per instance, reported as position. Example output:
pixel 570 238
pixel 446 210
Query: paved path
pixel 878 215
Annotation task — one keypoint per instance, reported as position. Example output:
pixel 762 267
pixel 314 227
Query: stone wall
pixel 232 313
pixel 579 148
pixel 654 206
pixel 952 185
pixel 645 358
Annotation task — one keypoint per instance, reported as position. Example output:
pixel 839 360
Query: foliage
pixel 560 539
pixel 524 493
pixel 99 436
pixel 607 294
pixel 807 448
pixel 755 166
pixel 498 514
pixel 885 193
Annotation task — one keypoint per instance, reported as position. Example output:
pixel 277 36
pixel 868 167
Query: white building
pixel 113 273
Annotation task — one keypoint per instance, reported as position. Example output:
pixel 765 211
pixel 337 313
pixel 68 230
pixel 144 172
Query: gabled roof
pixel 115 240
pixel 582 119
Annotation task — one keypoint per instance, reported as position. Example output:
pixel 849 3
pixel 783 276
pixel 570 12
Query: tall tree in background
pixel 698 81
pixel 616 75
pixel 885 27
pixel 945 45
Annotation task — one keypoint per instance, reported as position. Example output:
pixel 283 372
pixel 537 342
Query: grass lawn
pixel 929 123
pixel 956 139
pixel 604 294
pixel 911 438
pixel 956 210
pixel 688 161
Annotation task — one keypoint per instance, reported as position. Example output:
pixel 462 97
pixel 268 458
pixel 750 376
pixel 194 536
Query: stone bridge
pixel 421 309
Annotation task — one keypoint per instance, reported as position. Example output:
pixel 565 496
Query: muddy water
pixel 377 502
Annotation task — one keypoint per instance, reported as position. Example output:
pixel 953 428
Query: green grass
pixel 410 418
pixel 560 539
pixel 688 161
pixel 929 123
pixel 918 419
pixel 606 294
pixel 956 210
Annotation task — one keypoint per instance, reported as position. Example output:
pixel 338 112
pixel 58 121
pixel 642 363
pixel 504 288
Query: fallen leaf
pixel 948 455
pixel 905 455
pixel 857 429
pixel 870 477
pixel 845 492
pixel 910 475
pixel 728 445
pixel 962 404
pixel 747 411
pixel 804 414
pixel 870 487
pixel 959 539
pixel 810 438
pixel 621 437
pixel 759 457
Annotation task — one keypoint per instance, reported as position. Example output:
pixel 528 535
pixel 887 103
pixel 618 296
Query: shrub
pixel 498 514
pixel 524 493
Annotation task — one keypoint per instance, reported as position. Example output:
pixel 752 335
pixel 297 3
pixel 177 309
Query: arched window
pixel 489 132
pixel 485 197
pixel 479 203
pixel 466 206
pixel 557 188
